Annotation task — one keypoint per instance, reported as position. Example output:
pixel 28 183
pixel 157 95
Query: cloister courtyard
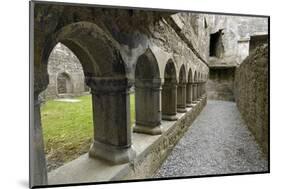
pixel 128 94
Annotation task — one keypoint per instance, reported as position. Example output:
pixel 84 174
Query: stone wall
pixel 251 94
pixel 236 34
pixel 220 85
pixel 109 44
pixel 64 65
pixel 257 40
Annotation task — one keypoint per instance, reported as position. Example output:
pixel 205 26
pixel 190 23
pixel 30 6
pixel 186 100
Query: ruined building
pixel 229 46
pixel 66 76
pixel 174 60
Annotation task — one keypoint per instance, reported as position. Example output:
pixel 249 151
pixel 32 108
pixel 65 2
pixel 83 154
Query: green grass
pixel 68 129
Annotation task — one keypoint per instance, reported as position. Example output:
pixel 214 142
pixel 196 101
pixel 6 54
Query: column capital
pixel 182 84
pixel 108 84
pixel 170 85
pixel 148 83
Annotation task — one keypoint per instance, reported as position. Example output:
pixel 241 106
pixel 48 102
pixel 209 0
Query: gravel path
pixel 218 142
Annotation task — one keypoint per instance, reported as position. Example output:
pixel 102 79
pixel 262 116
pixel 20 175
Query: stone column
pixel 169 101
pixel 189 94
pixel 38 168
pixel 112 128
pixel 194 94
pixel 204 88
pixel 199 89
pixel 181 97
pixel 148 112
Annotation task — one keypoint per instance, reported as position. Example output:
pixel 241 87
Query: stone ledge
pixel 151 151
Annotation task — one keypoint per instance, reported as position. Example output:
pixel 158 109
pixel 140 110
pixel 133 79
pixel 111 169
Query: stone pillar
pixel 194 94
pixel 169 101
pixel 38 168
pixel 148 112
pixel 199 89
pixel 204 88
pixel 189 94
pixel 181 97
pixel 112 128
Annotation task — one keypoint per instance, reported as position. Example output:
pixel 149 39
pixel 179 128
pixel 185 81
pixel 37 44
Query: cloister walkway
pixel 218 142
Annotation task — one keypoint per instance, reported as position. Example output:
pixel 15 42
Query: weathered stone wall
pixel 237 31
pixel 62 61
pixel 109 43
pixel 220 85
pixel 257 40
pixel 251 93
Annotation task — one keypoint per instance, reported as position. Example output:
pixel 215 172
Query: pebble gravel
pixel 218 142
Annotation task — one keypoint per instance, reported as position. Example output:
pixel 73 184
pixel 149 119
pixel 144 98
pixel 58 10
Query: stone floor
pixel 218 142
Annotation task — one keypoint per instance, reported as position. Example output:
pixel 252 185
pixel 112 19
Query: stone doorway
pixel 64 85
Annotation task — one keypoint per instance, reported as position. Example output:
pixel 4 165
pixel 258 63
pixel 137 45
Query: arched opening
pixel 189 89
pixel 181 91
pixel 216 48
pixel 64 85
pixel 147 95
pixel 105 75
pixel 169 93
pixel 67 123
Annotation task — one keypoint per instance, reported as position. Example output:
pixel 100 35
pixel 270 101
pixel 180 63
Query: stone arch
pixel 147 94
pixel 147 67
pixel 97 51
pixel 105 74
pixel 190 76
pixel 170 73
pixel 181 90
pixel 64 83
pixel 62 59
pixel 182 74
pixel 195 76
pixel 169 92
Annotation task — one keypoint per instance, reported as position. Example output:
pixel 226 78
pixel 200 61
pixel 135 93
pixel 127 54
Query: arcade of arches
pixel 157 53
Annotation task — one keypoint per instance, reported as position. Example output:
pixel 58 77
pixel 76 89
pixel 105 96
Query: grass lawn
pixel 68 129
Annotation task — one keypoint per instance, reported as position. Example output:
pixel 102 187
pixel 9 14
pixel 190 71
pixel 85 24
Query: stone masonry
pixel 235 35
pixel 165 55
pixel 252 93
pixel 66 76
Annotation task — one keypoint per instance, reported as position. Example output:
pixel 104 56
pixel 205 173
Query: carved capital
pixel 108 84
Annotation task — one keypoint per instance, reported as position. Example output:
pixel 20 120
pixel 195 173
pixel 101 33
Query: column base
pixel 181 110
pixel 169 117
pixel 112 154
pixel 189 105
pixel 157 130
